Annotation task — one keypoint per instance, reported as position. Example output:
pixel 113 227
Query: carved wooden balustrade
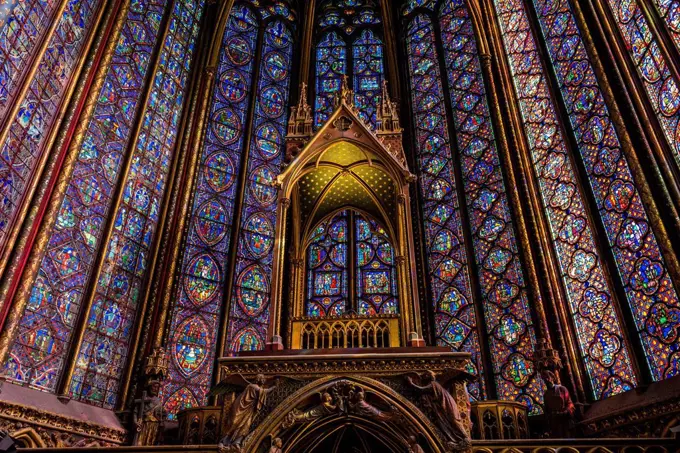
pixel 346 332
pixel 492 420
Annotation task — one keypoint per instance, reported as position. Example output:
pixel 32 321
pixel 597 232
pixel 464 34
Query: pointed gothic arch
pixel 352 167
pixel 290 420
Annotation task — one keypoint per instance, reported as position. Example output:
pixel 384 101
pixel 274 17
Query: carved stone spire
pixel 299 126
pixel 388 129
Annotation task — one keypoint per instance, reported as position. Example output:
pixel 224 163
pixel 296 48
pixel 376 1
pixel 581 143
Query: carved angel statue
pixel 413 446
pixel 328 405
pixel 444 410
pixel 277 446
pixel 243 411
pixel 359 406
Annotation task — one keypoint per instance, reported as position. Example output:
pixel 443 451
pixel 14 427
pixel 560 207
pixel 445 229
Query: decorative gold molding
pixel 49 420
pixel 373 361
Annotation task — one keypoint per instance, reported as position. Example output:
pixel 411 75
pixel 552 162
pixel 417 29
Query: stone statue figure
pixel 329 405
pixel 359 406
pixel 277 446
pixel 243 412
pixel 444 410
pixel 413 446
pixel 148 416
pixel 559 408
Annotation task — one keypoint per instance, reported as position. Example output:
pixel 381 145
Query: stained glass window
pixel 341 25
pixel 22 25
pixel 670 12
pixel 501 278
pixel 104 351
pixel 331 66
pixel 327 268
pixel 249 307
pixel 597 324
pixel 376 278
pixel 367 54
pixel 648 287
pixel 350 240
pixel 195 317
pixel 662 88
pixel 28 133
pixel 455 318
pixel 36 357
pixel 193 334
pixel 413 4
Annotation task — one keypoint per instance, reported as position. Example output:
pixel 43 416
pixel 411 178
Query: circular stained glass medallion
pixel 262 185
pixel 233 85
pixel 253 290
pixel 385 253
pixel 275 65
pixel 201 281
pixel 247 340
pixel 239 51
pixel 317 255
pixel 210 222
pixel 226 125
pixel 259 234
pixel 219 171
pixel 190 345
pixel 339 255
pixel 267 139
pixel 272 102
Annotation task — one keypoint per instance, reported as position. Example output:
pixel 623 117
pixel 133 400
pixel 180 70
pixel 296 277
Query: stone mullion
pixel 307 48
pixel 43 214
pixel 528 194
pixel 388 12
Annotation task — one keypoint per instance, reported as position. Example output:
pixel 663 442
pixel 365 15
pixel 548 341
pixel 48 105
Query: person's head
pixel 154 387
pixel 412 439
pixel 259 379
pixel 278 443
pixel 326 397
pixel 549 378
pixel 430 377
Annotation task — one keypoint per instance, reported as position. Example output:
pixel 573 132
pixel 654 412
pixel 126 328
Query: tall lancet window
pixel 349 44
pixel 116 184
pixel 222 223
pixel 28 117
pixel 466 140
pixel 642 271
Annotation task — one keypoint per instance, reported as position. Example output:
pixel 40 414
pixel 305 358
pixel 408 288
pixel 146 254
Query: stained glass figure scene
pixel 350 268
pixel 349 44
